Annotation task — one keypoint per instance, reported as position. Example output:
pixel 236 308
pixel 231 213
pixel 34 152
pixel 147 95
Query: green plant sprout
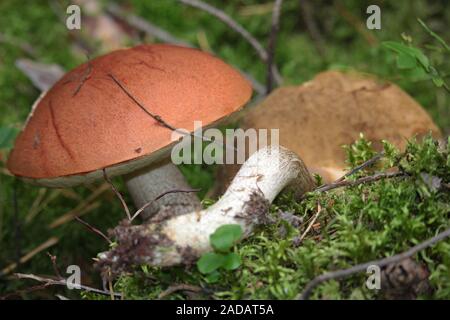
pixel 412 58
pixel 222 241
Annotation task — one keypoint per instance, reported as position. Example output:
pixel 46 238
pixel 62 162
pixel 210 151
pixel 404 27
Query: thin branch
pixel 93 229
pixel 63 282
pixel 346 183
pixel 156 117
pixel 364 165
pixel 24 291
pixel 86 74
pixel 272 44
pixel 225 18
pixel 179 287
pixel 147 27
pixel 122 200
pixel 363 267
pixel 55 267
pixel 145 206
pixel 161 121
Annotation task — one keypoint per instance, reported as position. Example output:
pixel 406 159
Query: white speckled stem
pixel 262 177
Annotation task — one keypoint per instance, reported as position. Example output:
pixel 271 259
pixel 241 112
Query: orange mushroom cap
pixel 86 122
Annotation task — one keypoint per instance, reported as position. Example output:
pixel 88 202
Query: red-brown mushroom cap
pixel 86 122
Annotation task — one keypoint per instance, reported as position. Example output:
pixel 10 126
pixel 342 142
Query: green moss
pixel 358 224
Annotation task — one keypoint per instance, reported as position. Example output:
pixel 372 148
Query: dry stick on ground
pixel 94 229
pixel 114 189
pixel 179 287
pixel 222 16
pixel 364 165
pixel 272 44
pixel 23 291
pixel 346 183
pixel 139 211
pixel 363 267
pixel 63 282
pixel 143 25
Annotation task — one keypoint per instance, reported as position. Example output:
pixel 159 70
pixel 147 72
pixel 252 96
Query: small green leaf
pixel 405 61
pixel 225 237
pixel 213 277
pixel 232 261
pixel 210 262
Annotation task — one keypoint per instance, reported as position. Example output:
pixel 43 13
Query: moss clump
pixel 356 224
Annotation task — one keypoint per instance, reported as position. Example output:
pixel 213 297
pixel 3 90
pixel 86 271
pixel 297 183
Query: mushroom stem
pixel 169 240
pixel 150 182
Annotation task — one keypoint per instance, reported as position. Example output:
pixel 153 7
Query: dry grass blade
pixel 63 282
pixel 43 246
pixel 118 194
pixel 93 229
pixel 84 207
pixel 71 215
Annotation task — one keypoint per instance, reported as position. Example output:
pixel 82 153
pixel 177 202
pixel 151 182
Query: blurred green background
pixel 34 30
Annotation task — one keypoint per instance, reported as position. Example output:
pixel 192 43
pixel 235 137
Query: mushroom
pixel 115 114
pixel 170 239
pixel 317 118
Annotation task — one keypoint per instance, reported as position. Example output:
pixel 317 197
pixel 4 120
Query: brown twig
pixel 156 117
pixel 93 229
pixel 179 287
pixel 160 120
pixel 225 18
pixel 272 44
pixel 364 165
pixel 145 26
pixel 63 282
pixel 118 194
pixel 55 267
pixel 373 178
pixel 363 267
pixel 23 291
pixel 138 212
pixel 85 76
